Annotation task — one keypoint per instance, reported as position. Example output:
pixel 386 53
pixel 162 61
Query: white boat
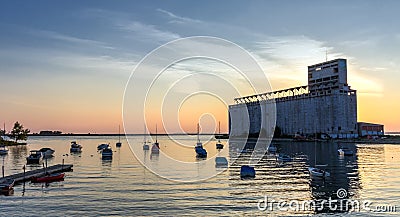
pixel 47 152
pixel 35 157
pixel 318 173
pixel 75 148
pixel 155 149
pixel 102 146
pixel 3 150
pixel 106 153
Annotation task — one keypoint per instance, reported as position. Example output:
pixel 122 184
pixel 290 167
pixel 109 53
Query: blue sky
pixel 65 57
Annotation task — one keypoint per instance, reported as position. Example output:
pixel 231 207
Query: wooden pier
pixel 28 175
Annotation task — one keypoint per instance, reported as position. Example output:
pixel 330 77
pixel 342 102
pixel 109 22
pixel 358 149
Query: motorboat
pixel 284 158
pixel 221 162
pixel 200 151
pixel 75 148
pixel 102 146
pixel 318 173
pixel 49 178
pixel 35 157
pixel 247 172
pixel 47 152
pixel 3 150
pixel 7 184
pixel 345 152
pixel 107 153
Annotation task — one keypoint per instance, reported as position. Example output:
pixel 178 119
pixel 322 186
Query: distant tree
pixel 18 132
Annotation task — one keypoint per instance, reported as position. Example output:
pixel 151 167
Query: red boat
pixel 7 184
pixel 49 178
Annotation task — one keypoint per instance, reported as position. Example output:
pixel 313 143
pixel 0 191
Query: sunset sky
pixel 64 65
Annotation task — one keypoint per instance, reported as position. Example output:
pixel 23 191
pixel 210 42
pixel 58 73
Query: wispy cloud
pixel 148 32
pixel 178 19
pixel 67 38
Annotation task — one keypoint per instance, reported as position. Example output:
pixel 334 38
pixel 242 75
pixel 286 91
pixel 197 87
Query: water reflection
pixel 289 180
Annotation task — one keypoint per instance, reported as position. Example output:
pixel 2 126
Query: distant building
pixel 370 129
pixel 327 105
pixel 49 133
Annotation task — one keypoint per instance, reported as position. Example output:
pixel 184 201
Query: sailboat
pixel 155 149
pixel 200 151
pixel 219 145
pixel 314 171
pixel 118 144
pixel 145 146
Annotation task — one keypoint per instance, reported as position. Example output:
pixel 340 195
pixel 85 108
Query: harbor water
pixel 124 187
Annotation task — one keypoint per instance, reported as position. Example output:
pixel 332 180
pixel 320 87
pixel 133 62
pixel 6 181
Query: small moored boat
pixel 7 184
pixel 284 158
pixel 272 149
pixel 35 157
pixel 106 153
pixel 47 152
pixel 345 152
pixel 75 148
pixel 49 178
pixel 318 173
pixel 200 151
pixel 221 162
pixel 119 144
pixel 145 145
pixel 219 145
pixel 155 149
pixel 102 146
pixel 3 150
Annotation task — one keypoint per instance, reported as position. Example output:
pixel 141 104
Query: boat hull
pixel 50 178
pixel 7 185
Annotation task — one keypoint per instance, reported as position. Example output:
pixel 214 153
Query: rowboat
pixel 318 173
pixel 49 178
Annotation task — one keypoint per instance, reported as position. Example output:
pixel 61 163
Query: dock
pixel 28 175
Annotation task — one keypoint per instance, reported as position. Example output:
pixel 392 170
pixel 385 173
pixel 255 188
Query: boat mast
pixel 156 134
pixel 144 129
pixel 198 132
pixel 119 133
pixel 219 131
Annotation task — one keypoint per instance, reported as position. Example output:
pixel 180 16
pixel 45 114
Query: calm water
pixel 124 187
